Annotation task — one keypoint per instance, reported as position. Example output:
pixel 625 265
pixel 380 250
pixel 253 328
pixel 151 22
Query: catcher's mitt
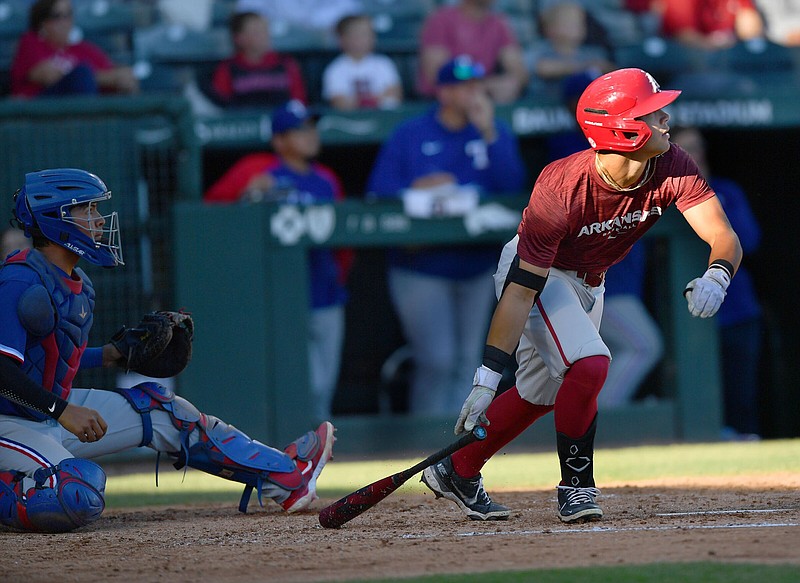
pixel 160 346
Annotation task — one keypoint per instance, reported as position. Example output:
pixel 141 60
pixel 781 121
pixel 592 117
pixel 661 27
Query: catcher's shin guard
pixel 65 497
pixel 577 458
pixel 220 449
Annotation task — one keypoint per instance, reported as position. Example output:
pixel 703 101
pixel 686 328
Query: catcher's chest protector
pixel 58 316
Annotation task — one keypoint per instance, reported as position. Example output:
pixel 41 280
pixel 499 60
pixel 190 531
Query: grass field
pixel 682 573
pixel 503 472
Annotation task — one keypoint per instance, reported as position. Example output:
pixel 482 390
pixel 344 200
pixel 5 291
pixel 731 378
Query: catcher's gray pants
pixel 27 445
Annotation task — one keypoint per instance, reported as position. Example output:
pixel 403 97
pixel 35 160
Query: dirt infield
pixel 751 519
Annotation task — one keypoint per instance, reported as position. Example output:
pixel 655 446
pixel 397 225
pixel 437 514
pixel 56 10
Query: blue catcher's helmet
pixel 43 206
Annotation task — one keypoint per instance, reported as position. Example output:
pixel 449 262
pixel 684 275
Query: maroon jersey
pixel 574 220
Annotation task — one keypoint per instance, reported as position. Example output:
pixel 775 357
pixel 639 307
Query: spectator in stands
pixel 470 27
pixel 704 24
pixel 563 49
pixel 359 78
pixel 256 75
pixel 48 63
pixel 740 318
pixel 12 239
pixel 444 296
pixel 782 20
pixel 291 175
pixel 314 14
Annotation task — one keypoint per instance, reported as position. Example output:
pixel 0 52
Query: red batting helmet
pixel 609 107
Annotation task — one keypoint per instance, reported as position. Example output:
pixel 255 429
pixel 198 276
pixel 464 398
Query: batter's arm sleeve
pixel 16 386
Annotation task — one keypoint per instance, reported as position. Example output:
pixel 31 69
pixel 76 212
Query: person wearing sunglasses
pixel 48 63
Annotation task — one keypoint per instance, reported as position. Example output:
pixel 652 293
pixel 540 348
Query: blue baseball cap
pixel 290 116
pixel 459 70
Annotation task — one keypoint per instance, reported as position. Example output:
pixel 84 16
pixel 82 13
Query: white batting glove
pixel 705 294
pixel 473 412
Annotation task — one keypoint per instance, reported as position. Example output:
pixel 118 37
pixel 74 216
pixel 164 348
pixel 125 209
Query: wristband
pixel 723 264
pixel 496 359
pixel 486 377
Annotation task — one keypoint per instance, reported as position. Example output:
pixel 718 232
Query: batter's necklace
pixel 649 170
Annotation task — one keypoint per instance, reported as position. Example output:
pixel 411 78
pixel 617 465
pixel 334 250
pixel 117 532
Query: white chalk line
pixel 603 529
pixel 742 511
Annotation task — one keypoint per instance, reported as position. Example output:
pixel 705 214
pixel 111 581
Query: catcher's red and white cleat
pixel 310 453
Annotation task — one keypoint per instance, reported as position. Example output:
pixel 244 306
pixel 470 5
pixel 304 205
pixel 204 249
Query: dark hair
pixel 239 19
pixel 346 21
pixel 39 13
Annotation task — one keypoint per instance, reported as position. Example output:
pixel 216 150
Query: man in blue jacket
pixel 444 296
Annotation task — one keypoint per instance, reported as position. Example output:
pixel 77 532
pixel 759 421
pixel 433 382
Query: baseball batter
pixel 49 431
pixel 584 214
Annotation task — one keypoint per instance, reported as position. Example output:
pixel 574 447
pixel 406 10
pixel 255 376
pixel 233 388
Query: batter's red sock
pixel 509 415
pixel 576 401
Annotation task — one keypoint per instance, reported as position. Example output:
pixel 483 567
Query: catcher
pixel 49 431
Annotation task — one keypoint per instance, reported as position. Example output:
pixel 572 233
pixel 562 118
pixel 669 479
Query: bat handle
pixel 477 434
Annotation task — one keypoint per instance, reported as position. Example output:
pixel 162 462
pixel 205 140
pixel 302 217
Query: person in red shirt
pixel 256 76
pixel 471 27
pixel 704 24
pixel 48 64
pixel 585 213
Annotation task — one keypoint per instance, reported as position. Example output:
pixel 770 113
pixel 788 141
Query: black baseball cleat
pixel 578 505
pixel 467 493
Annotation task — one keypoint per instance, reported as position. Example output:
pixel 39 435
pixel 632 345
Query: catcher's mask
pixel 609 108
pixel 46 206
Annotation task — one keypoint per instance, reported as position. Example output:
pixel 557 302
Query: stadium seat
pixel 746 69
pixel 754 57
pixel 177 44
pixel 663 58
pixel 161 78
pixel 396 34
pixel 291 38
pixel 621 26
pixel 514 9
pixel 13 17
pixel 402 9
pixel 13 22
pixel 221 11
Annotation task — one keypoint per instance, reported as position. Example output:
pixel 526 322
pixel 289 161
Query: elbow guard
pixel 524 278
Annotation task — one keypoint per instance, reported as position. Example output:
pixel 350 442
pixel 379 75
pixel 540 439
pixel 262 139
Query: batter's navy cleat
pixel 310 453
pixel 467 493
pixel 578 505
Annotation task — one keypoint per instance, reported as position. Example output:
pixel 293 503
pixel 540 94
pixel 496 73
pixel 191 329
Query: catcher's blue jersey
pixel 45 318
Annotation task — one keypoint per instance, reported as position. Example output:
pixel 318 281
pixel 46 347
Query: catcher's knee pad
pixel 11 499
pixel 66 496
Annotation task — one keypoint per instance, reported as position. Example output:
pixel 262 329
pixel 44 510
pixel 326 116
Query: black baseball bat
pixel 355 503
